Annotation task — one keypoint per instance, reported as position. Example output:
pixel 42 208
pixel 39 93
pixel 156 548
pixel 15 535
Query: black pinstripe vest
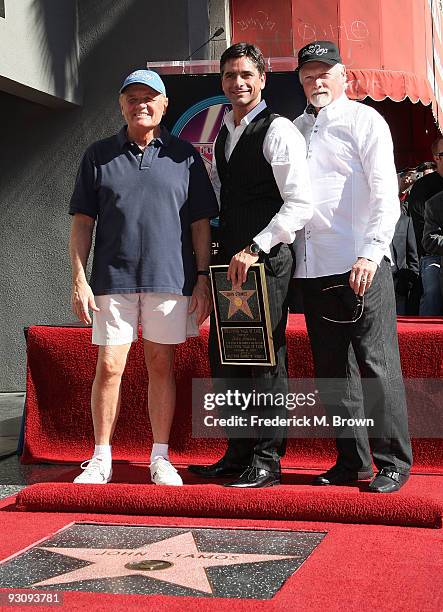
pixel 249 194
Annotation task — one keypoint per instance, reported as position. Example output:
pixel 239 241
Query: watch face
pixel 254 248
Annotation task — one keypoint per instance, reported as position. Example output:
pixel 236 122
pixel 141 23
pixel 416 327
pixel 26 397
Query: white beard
pixel 321 100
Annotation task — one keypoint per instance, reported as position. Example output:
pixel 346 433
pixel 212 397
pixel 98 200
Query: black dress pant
pixel 359 373
pixel 265 448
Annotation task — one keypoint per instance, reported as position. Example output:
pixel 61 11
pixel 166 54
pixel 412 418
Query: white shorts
pixel 164 318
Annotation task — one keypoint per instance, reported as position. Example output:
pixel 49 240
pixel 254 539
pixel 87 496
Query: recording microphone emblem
pixel 217 32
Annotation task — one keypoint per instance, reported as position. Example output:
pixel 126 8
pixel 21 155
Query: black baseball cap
pixel 319 51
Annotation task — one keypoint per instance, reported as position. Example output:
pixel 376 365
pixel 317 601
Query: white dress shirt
pixel 285 149
pixel 354 189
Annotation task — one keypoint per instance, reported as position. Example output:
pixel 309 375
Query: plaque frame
pixel 260 325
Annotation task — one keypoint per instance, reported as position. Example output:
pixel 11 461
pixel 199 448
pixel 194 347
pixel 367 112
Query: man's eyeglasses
pixel 348 303
pixel 439 155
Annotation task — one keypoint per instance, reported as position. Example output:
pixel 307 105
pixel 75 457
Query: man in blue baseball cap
pixel 145 77
pixel 149 198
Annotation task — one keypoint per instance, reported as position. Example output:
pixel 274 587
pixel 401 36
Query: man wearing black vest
pixel 261 178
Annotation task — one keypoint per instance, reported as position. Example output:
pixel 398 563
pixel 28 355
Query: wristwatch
pixel 254 249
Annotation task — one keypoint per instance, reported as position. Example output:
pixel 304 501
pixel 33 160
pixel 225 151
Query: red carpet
pixel 61 364
pixel 364 568
pixel 419 503
pixel 213 501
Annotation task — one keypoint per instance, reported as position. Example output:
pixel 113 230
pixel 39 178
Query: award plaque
pixel 243 321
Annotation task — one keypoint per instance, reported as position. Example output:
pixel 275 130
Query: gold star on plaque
pixel 238 300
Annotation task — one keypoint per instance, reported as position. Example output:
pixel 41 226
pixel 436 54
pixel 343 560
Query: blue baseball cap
pixel 145 77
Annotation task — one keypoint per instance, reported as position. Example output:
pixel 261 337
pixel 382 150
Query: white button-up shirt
pixel 354 188
pixel 284 148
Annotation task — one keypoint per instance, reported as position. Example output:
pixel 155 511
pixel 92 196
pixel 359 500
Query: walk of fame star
pixel 176 560
pixel 238 300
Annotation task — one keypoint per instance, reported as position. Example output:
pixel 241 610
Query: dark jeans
pixel 264 450
pixel 404 287
pixel 350 353
pixel 431 303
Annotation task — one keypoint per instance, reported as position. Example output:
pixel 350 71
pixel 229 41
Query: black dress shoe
pixel 339 475
pixel 387 481
pixel 221 469
pixel 256 478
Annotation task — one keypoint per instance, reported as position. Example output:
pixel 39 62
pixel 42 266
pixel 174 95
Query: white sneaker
pixel 163 473
pixel 95 471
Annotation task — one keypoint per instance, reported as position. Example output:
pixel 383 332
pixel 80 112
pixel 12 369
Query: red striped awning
pixel 392 84
pixel 391 48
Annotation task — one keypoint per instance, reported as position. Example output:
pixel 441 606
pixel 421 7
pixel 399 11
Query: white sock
pixel 159 450
pixel 103 452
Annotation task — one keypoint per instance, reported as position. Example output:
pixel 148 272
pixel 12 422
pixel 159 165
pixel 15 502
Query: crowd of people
pixel 418 239
pixel 316 200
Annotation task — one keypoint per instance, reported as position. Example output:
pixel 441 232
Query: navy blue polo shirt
pixel 144 203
